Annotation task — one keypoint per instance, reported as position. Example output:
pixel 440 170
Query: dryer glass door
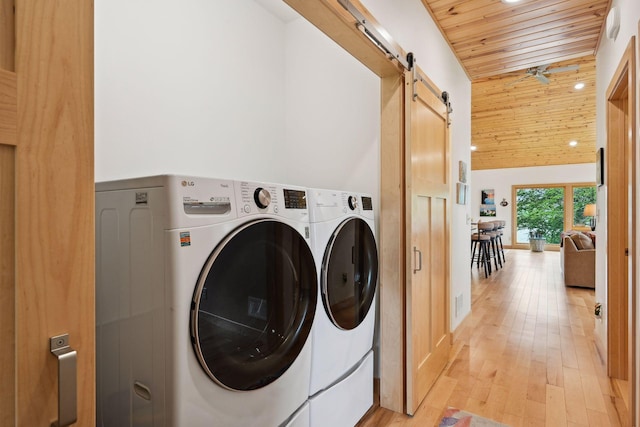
pixel 253 305
pixel 350 273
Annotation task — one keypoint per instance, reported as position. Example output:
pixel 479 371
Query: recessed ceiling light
pixel 573 143
pixel 579 86
pixel 509 1
pixel 474 148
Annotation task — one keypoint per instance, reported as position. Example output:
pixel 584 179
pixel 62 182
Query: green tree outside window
pixel 541 211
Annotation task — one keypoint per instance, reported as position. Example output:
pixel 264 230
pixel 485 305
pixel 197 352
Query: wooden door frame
pixel 635 343
pixel 392 245
pixel 621 227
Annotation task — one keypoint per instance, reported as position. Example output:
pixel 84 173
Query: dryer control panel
pixel 295 199
pixel 326 205
pixel 350 203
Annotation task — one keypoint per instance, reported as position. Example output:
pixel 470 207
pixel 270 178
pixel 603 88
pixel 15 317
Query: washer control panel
pixel 263 198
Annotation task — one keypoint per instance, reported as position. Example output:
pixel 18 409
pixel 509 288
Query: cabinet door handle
pixel 67 380
pixel 419 263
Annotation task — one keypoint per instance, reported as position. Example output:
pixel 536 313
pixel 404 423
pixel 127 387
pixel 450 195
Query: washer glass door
pixel 350 273
pixel 253 305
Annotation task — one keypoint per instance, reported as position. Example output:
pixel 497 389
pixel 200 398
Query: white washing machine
pixel 345 252
pixel 206 291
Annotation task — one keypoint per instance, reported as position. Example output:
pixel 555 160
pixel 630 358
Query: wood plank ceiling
pixel 519 123
pixel 526 122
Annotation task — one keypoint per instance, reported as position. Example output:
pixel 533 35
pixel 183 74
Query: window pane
pixel 582 196
pixel 539 211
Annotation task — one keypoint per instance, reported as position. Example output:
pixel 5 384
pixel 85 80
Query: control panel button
pixel 353 203
pixel 262 197
pixel 247 208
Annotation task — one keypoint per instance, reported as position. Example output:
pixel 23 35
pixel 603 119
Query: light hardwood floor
pixel 525 356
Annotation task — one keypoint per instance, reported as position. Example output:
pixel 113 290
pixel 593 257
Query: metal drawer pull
pixel 419 252
pixel 67 380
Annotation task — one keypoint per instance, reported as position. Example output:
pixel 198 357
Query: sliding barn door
pixel 428 205
pixel 46 209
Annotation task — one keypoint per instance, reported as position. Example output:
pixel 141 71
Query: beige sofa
pixel 578 260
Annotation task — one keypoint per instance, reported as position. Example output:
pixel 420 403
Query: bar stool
pixel 500 230
pixel 488 228
pixel 481 242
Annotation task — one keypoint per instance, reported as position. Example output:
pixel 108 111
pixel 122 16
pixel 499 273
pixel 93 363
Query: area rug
pixel 456 417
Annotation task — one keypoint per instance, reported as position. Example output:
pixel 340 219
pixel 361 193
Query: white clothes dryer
pixel 206 291
pixel 344 246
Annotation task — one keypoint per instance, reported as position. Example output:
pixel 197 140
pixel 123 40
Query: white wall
pixel 230 89
pixel 412 28
pixel 332 115
pixel 607 59
pixel 502 180
pixel 192 87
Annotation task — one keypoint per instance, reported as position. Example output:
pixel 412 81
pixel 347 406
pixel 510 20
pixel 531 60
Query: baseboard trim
pixel 459 331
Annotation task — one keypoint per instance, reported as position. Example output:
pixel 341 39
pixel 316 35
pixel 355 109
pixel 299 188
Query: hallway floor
pixel 525 356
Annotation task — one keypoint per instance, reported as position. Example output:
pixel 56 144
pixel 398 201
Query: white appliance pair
pixel 206 293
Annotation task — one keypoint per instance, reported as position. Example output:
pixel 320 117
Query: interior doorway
pixel 620 181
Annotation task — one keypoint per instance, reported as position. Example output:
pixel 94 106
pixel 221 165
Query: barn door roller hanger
pixel 381 42
pixel 373 34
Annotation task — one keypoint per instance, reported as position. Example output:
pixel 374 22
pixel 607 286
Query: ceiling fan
pixel 541 72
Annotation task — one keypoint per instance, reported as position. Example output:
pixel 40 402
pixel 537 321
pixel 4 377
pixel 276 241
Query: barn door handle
pixel 67 380
pixel 419 263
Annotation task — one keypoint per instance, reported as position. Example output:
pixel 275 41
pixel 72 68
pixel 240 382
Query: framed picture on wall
pixel 461 193
pixel 600 166
pixel 487 197
pixel 462 171
pixel 487 210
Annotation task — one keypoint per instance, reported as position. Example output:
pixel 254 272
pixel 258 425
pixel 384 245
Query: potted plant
pixel 537 240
